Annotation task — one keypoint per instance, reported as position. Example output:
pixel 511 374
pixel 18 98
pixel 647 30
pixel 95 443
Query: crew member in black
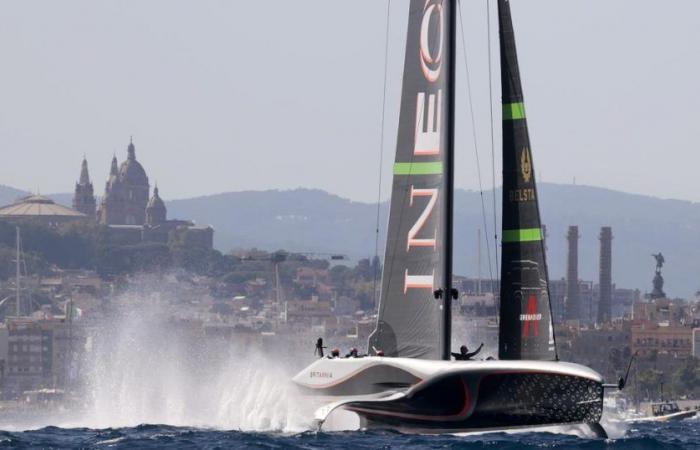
pixel 319 348
pixel 464 354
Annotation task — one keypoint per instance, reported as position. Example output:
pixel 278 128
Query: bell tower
pixel 84 195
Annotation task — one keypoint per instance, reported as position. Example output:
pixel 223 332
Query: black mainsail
pixel 526 329
pixel 412 322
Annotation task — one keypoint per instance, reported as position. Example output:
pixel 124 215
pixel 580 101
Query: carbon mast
pixel 448 292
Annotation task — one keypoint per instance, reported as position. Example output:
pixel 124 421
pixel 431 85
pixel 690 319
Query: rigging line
pixel 476 148
pixel 493 145
pixel 381 150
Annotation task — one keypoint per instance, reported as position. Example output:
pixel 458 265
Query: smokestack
pixel 572 308
pixel 605 276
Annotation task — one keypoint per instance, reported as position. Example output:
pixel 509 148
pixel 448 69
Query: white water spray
pixel 146 369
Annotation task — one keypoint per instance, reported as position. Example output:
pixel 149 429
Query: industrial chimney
pixel 572 310
pixel 605 276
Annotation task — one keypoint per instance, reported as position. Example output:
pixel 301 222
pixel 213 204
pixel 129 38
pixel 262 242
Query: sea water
pixel 671 435
pixel 149 385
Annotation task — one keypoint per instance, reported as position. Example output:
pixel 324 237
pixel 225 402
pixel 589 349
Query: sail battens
pixel 523 235
pixel 418 168
pixel 513 111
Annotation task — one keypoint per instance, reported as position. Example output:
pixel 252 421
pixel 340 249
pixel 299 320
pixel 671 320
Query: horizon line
pixel 384 200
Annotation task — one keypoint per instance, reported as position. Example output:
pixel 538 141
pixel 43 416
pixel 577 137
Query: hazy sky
pixel 233 95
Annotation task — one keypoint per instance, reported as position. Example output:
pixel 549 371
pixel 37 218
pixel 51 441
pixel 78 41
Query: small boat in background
pixel 666 412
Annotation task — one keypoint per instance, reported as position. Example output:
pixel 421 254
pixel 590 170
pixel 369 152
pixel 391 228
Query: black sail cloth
pixel 525 328
pixel 410 320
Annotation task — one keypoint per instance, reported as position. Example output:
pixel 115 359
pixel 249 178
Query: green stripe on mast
pixel 522 235
pixel 513 111
pixel 418 168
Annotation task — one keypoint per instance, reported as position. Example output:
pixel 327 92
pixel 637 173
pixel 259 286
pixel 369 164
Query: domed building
pixel 131 216
pixel 159 228
pixel 126 192
pixel 40 210
pixel 156 213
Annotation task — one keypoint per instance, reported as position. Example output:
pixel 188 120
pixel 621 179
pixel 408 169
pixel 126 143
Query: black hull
pixel 470 402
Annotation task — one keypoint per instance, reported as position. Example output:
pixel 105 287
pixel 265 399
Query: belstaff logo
pixel 525 165
pixel 430 60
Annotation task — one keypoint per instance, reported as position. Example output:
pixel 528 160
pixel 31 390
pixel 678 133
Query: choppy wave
pixel 668 436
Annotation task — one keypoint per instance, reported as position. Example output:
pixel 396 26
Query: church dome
pixel 155 210
pixel 156 203
pixel 131 171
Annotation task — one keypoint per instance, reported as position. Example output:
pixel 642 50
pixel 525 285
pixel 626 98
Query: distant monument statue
pixel 658 291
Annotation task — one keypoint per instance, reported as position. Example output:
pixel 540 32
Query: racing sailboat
pixel 415 386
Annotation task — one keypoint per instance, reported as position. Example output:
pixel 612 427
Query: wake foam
pixel 143 369
pixel 143 365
